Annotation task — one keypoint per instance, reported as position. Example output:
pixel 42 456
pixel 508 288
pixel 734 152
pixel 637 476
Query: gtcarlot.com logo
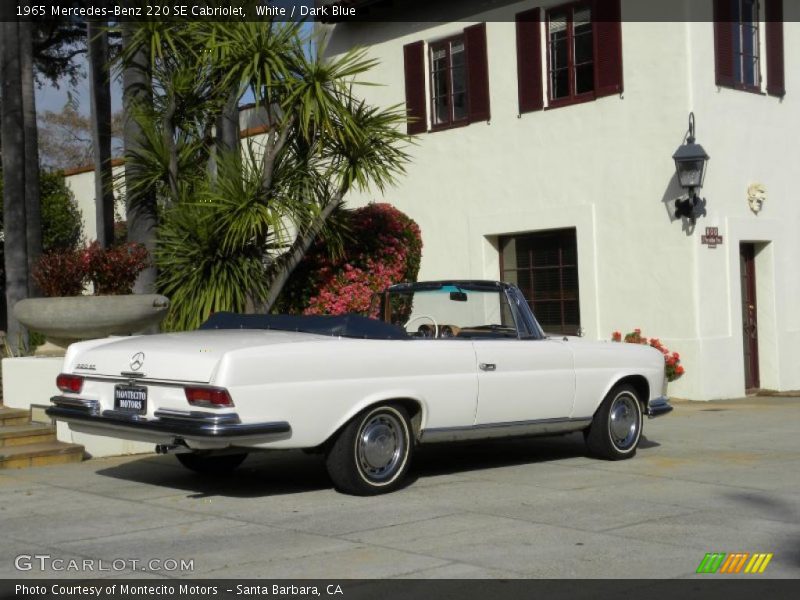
pixel 735 562
pixel 46 562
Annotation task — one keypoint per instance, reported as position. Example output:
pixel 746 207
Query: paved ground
pixel 710 477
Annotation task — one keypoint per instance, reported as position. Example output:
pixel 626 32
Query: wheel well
pixel 414 410
pixel 412 407
pixel 641 385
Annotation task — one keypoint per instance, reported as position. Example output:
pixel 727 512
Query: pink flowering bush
pixel 672 360
pixel 112 271
pixel 383 247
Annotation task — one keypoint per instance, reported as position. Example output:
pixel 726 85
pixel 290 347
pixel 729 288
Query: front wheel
pixel 617 425
pixel 372 453
pixel 211 464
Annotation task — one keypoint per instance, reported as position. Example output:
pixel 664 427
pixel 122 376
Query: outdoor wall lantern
pixel 690 163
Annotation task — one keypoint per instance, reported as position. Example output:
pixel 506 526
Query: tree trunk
pixel 228 126
pixel 100 86
pixel 141 208
pixel 33 203
pixel 289 261
pixel 13 132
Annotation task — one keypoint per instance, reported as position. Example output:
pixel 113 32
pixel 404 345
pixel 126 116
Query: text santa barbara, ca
pixel 120 10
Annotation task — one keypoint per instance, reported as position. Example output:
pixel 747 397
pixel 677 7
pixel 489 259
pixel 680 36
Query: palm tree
pixel 33 206
pixel 99 85
pixel 13 134
pixel 140 202
pixel 230 241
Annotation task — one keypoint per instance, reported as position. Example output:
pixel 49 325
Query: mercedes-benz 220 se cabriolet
pixel 446 361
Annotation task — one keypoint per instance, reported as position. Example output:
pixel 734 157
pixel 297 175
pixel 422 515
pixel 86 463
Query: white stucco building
pixel 544 138
pixel 544 132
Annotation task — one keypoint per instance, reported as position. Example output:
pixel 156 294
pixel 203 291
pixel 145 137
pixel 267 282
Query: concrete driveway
pixel 710 477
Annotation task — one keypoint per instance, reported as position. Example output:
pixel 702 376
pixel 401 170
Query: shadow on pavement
pixel 768 507
pixel 291 471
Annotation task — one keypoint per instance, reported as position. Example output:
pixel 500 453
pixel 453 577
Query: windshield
pixel 450 311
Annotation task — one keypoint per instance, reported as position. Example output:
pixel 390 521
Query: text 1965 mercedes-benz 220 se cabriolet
pixel 447 361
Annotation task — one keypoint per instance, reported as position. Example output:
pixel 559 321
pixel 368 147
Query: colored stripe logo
pixel 735 562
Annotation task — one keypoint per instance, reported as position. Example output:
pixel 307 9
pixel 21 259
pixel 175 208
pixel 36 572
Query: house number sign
pixel 712 238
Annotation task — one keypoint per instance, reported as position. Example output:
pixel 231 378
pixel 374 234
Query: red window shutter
pixel 723 43
pixel 477 73
pixel 607 29
pixel 529 60
pixel 414 64
pixel 776 85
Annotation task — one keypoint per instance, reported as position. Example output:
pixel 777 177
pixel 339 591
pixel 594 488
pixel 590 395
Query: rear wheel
pixel 211 464
pixel 617 425
pixel 372 452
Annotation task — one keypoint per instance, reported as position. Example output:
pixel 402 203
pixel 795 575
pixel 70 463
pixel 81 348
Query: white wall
pixel 605 168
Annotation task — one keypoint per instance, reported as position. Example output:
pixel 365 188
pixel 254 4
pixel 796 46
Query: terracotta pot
pixel 65 320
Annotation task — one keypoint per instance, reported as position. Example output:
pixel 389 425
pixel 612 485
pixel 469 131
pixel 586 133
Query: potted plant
pixel 66 314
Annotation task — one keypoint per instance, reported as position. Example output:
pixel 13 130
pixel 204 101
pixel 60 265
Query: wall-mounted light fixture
pixel 690 163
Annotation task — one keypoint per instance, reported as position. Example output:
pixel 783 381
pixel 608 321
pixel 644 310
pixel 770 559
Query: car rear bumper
pixel 658 406
pixel 197 425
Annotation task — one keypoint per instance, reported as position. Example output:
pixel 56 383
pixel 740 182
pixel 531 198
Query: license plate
pixel 130 398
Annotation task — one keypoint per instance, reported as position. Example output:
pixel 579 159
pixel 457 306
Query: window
pixel 581 46
pixel 570 53
pixel 545 268
pixel 737 44
pixel 453 84
pixel 448 81
pixel 745 44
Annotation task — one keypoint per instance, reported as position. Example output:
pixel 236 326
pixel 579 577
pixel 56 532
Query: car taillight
pixel 72 384
pixel 208 396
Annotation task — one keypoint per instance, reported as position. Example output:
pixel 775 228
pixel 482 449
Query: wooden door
pixel 749 309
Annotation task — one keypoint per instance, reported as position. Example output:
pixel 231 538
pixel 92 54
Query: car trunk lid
pixel 189 356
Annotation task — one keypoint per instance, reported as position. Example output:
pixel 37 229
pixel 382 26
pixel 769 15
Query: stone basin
pixel 65 320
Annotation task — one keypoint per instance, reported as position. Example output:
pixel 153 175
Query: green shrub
pixel 62 226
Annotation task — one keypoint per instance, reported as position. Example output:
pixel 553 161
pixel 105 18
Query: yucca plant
pixel 234 225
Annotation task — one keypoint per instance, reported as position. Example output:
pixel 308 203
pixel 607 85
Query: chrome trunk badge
pixel 137 360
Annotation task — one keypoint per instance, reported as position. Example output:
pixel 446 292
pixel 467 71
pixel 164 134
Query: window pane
pixel 584 49
pixel 559 54
pixel 750 70
pixel 582 20
pixel 749 11
pixel 457 53
pixel 584 78
pixel 559 84
pixel 459 106
pixel 558 24
pixel 459 79
pixel 547 284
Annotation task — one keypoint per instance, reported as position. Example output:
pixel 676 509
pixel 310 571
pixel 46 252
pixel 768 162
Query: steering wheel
pixel 430 318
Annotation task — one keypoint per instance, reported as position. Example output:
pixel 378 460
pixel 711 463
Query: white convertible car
pixel 448 361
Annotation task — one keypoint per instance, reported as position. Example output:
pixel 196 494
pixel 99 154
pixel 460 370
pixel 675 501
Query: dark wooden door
pixel 749 324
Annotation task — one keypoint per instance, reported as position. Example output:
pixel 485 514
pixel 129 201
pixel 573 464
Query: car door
pixel 524 380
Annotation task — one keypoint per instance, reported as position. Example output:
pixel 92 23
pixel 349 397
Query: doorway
pixel 747 265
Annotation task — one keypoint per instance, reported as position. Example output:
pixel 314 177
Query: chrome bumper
pixel 189 424
pixel 658 406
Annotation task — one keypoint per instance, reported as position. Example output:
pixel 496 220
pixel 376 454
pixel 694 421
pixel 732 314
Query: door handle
pixel 488 366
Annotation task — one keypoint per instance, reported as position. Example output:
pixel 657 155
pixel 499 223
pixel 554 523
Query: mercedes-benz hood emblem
pixel 137 360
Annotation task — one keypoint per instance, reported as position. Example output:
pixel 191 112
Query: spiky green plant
pixel 235 226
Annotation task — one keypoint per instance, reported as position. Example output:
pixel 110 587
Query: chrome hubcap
pixel 623 421
pixel 381 446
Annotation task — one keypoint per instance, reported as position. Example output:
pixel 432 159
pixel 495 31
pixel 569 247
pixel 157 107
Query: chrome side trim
pixel 501 430
pixel 658 406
